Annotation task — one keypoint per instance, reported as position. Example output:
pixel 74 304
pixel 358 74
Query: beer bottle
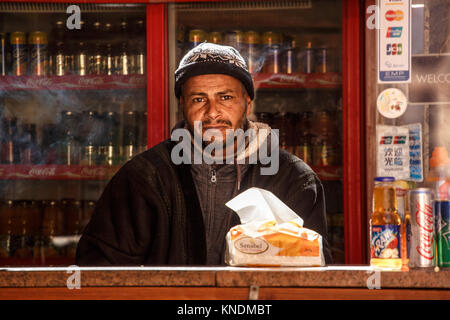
pixel 52 224
pixel 123 62
pixel 325 150
pixel 90 136
pixel 10 146
pixel 142 132
pixel 130 135
pixel 109 66
pixel 6 215
pixel 48 144
pixel 271 49
pixel 385 224
pixel 28 147
pixel 73 218
pixel 21 231
pixel 109 143
pixel 3 54
pixel 68 151
pixel 138 56
pixel 303 149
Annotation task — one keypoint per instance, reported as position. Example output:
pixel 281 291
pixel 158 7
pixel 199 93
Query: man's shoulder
pixel 150 161
pixel 290 162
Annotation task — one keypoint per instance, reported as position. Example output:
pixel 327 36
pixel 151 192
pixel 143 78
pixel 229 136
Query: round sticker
pixel 391 103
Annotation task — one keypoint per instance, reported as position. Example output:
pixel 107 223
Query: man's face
pixel 219 101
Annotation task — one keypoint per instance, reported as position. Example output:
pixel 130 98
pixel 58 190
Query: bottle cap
pixel 439 157
pixel 384 179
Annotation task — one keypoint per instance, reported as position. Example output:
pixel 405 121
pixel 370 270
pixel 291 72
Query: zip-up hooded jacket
pixel 154 212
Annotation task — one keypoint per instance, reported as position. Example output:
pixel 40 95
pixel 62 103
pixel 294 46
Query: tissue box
pixel 271 234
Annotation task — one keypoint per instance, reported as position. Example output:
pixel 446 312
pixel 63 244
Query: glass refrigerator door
pixel 292 49
pixel 73 110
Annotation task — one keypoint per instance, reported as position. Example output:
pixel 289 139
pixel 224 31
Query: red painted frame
pixel 355 221
pixel 157 74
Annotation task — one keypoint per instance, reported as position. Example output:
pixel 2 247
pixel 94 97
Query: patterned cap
pixel 209 58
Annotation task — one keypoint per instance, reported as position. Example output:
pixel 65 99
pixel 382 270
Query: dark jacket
pixel 149 213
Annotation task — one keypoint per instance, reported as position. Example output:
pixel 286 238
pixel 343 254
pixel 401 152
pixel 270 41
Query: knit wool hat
pixel 210 58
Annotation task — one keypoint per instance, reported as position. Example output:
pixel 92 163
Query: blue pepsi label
pixel 385 242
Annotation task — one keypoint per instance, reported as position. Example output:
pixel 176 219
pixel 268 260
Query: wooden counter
pixel 224 283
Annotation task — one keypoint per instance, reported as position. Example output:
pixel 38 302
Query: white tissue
pixel 256 205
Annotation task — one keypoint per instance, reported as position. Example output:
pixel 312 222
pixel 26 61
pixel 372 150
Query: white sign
pixel 393 152
pixel 394 41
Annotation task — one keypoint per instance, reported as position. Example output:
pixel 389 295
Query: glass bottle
pixel 385 225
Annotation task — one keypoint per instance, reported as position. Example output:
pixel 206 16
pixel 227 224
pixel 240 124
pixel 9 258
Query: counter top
pixel 320 277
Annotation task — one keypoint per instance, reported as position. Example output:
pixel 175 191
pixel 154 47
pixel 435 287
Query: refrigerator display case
pixel 59 122
pixel 73 110
pixel 293 51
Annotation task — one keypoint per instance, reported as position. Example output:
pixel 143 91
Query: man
pixel 165 208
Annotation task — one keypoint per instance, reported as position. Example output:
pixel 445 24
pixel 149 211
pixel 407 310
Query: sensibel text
pixel 225 309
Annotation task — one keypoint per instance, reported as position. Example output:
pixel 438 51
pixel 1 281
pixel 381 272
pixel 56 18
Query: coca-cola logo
pixel 93 172
pixel 425 221
pixel 83 81
pixel 287 78
pixel 39 82
pixel 42 172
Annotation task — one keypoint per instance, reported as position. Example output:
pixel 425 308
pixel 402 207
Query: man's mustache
pixel 209 122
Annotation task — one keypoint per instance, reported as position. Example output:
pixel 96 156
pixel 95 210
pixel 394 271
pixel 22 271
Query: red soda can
pixel 422 254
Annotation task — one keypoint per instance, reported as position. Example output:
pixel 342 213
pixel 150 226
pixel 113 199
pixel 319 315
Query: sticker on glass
pixel 391 103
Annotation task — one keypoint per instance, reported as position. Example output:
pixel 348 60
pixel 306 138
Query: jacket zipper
pixel 213 176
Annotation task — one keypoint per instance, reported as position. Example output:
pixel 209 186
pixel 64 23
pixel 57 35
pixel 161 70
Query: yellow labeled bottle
pixel 385 227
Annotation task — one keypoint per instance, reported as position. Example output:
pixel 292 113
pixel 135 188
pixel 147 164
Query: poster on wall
pixel 394 41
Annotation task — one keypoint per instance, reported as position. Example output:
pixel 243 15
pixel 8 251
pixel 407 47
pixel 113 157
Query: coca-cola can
pixel 422 254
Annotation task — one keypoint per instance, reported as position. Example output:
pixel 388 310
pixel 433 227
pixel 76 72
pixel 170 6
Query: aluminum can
pixel 196 36
pixel 19 53
pixel 234 39
pixel 251 51
pixel 442 214
pixel 423 251
pixel 38 46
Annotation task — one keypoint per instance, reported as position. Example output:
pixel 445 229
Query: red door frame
pixel 355 220
pixel 157 74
